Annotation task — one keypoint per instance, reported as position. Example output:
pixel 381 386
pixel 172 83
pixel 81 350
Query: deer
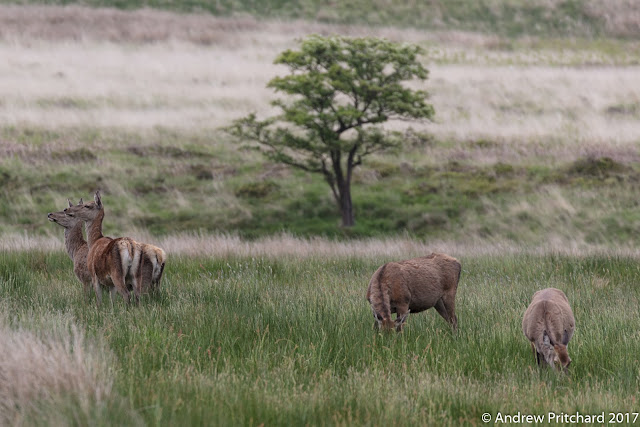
pixel 549 324
pixel 113 263
pixel 151 266
pixel 412 286
pixel 152 258
pixel 74 243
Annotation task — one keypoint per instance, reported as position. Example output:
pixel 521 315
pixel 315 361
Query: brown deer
pixel 75 244
pixel 549 324
pixel 113 263
pixel 413 286
pixel 152 258
pixel 151 267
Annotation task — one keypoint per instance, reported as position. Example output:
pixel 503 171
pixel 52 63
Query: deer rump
pixel 151 266
pixel 413 286
pixel 114 261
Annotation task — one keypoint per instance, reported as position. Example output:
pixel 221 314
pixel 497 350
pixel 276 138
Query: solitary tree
pixel 342 90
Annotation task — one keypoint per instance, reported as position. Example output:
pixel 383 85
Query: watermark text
pixel 561 417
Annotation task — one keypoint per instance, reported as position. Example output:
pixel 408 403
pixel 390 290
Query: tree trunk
pixel 346 206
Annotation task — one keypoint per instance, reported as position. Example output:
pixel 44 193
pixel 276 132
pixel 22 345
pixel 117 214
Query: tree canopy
pixel 341 90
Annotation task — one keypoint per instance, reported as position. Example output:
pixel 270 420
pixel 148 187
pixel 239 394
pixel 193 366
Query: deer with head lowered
pixel 549 324
pixel 117 263
pixel 412 286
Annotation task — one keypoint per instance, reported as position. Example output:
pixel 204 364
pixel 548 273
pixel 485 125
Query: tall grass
pixel 252 340
pixel 51 374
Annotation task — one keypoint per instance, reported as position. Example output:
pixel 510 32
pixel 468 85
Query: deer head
pixel 64 220
pixel 85 211
pixel 561 359
pixel 556 355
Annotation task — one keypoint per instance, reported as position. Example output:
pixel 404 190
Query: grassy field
pixel 289 341
pixel 529 174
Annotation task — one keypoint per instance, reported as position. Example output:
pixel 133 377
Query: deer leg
pixel 120 285
pixel 156 283
pixel 146 276
pixel 86 293
pixel 376 324
pixel 97 290
pixel 402 313
pixel 441 308
pixel 449 302
pixel 537 355
pixel 133 282
pixel 112 294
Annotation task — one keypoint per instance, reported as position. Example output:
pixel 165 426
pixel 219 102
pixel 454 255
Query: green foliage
pixel 596 167
pixel 338 84
pixel 256 190
pixel 252 340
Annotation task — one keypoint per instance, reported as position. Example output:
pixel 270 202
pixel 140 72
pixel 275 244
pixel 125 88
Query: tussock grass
pixel 50 372
pixel 251 340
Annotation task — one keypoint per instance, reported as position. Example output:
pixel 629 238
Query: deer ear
pixel 96 198
pixel 69 201
pixel 80 202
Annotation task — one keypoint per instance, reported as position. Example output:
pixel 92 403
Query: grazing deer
pixel 549 324
pixel 413 286
pixel 75 244
pixel 111 262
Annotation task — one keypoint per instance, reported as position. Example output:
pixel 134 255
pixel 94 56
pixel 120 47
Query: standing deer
pixel 152 259
pixel 413 286
pixel 549 324
pixel 111 262
pixel 75 244
pixel 151 266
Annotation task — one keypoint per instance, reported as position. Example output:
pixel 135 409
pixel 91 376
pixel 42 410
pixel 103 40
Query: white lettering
pixel 519 418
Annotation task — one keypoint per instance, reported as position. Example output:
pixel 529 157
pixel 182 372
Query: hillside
pixel 511 18
pixel 534 140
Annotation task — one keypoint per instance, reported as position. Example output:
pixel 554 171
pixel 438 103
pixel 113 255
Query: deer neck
pixel 94 228
pixel 73 239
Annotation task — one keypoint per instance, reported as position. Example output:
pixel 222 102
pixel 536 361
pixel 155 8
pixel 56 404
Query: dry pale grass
pixel 104 68
pixel 528 111
pixel 622 17
pixel 38 370
pixel 288 246
pixel 74 23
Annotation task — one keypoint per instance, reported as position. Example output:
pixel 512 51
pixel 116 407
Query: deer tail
pixel 380 299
